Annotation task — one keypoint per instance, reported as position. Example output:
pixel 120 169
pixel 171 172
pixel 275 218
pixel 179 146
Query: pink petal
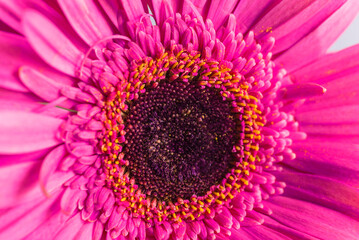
pixel 6 160
pixel 14 53
pixel 86 19
pixel 129 14
pixel 247 12
pixel 287 231
pixel 7 14
pixel 322 191
pixel 339 115
pixel 341 92
pixel 50 164
pixel 327 158
pixel 70 199
pixel 219 10
pixel 85 232
pixel 22 132
pixel 11 100
pixel 315 220
pixel 71 228
pixel 161 10
pixel 51 43
pixel 111 8
pixel 199 4
pixel 19 183
pixel 329 67
pixel 11 11
pixel 304 22
pixel 317 42
pixel 256 233
pixel 30 219
pixel 43 86
pixel 298 91
pixel 48 228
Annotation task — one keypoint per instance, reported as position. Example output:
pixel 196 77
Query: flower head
pixel 191 120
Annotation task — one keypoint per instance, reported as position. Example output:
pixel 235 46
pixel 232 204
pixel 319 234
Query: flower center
pixel 179 140
pixel 180 135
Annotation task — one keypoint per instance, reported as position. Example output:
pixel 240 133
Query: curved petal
pixel 18 101
pixel 11 11
pixel 111 8
pixel 327 158
pixel 42 85
pixel 219 11
pixel 333 115
pixel 50 164
pixel 303 23
pixel 316 43
pixel 6 160
pixel 49 228
pixel 257 232
pixel 71 228
pixel 321 190
pixel 51 43
pixel 248 11
pixel 19 181
pixel 287 231
pixel 22 132
pixel 86 19
pixel 312 219
pixel 329 67
pixel 129 14
pixel 290 20
pixel 28 219
pixel 14 52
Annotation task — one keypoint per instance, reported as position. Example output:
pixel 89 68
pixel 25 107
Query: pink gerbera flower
pixel 171 119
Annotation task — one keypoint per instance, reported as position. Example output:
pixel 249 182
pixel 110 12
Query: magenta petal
pixel 129 14
pixel 11 11
pixel 303 23
pixel 7 14
pixel 317 42
pixel 86 19
pixel 327 158
pixel 22 132
pixel 219 10
pixel 30 220
pixel 287 231
pixel 338 115
pixel 71 228
pixel 298 91
pixel 48 228
pixel 256 233
pixel 11 100
pixel 315 220
pixel 50 43
pixel 161 10
pixel 14 53
pixel 41 85
pixel 6 160
pixel 85 232
pixel 50 164
pixel 111 8
pixel 280 13
pixel 18 183
pixel 329 67
pixel 247 12
pixel 322 191
pixel 339 96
